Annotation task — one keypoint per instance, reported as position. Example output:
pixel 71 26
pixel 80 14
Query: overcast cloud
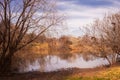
pixel 82 12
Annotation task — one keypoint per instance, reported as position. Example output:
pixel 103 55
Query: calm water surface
pixel 54 62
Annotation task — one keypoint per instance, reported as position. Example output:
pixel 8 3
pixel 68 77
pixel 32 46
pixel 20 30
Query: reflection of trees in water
pixel 88 56
pixel 21 62
pixel 67 56
pixel 42 62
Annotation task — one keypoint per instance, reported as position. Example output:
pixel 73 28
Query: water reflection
pixel 55 62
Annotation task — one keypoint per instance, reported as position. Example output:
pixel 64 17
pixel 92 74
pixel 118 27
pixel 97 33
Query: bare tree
pixel 18 19
pixel 107 31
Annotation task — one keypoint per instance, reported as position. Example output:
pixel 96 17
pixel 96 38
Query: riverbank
pixel 101 73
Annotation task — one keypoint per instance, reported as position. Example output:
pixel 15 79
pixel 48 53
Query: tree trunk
pixel 108 61
pixel 118 58
pixel 5 64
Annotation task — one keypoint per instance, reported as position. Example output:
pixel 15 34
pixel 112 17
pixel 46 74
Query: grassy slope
pixel 108 74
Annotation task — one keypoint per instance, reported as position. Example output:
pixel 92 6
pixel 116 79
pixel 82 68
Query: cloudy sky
pixel 82 12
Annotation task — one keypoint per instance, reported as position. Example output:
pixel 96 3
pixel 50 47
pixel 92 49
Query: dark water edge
pixel 54 75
